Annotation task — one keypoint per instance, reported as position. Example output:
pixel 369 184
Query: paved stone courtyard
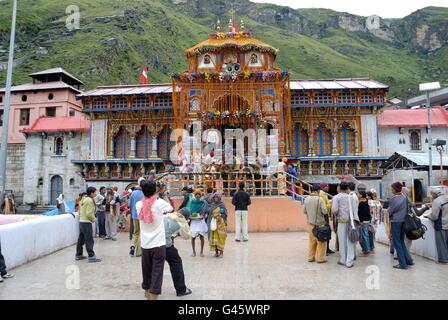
pixel 269 266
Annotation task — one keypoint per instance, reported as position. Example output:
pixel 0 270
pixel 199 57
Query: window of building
pixel 323 98
pixel 71 113
pixel 165 101
pixel 50 96
pixel 50 112
pixel 122 145
pixel 40 182
pixel 301 141
pixel 120 103
pixel 298 99
pixel 72 182
pixel 1 118
pixel 379 98
pixel 366 98
pixel 346 141
pixel 347 98
pixel 143 144
pixel 164 143
pixel 100 103
pixel 59 146
pixel 416 140
pixel 87 104
pixel 24 117
pixel 24 98
pixel 1 99
pixel 141 102
pixel 322 141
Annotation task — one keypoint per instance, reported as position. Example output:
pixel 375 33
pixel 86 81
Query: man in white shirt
pixel 153 240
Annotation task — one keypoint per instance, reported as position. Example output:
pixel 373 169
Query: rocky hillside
pixel 116 38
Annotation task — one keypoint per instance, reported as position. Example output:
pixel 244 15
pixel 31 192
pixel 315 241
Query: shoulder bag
pixel 353 233
pixel 413 226
pixel 323 234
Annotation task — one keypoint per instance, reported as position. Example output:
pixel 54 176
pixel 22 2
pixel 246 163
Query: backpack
pixel 413 226
pixel 438 222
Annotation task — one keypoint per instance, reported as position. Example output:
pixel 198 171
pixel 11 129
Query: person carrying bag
pixel 318 228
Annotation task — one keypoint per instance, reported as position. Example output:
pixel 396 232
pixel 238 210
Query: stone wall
pixel 15 163
pixel 42 163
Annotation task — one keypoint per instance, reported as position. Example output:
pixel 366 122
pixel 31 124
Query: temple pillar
pixel 108 171
pixel 310 168
pixel 334 146
pixel 153 153
pixel 111 148
pixel 357 146
pixel 133 146
pixel 322 168
pixel 334 168
pixel 311 144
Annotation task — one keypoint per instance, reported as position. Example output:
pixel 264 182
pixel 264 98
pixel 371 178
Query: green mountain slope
pixel 116 38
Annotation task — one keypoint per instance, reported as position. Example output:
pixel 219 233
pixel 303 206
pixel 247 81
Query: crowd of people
pixel 355 215
pixel 155 223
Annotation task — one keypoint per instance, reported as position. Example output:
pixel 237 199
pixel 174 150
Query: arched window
pixel 346 140
pixel 59 146
pixel 122 145
pixel 143 142
pixel 301 141
pixel 416 141
pixel 164 143
pixel 56 188
pixel 72 182
pixel 322 141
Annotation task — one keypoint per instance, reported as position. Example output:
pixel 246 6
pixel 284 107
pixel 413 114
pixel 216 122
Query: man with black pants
pixel 87 208
pixel 172 226
pixel 3 273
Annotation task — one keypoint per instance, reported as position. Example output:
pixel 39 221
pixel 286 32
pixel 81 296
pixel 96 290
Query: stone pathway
pixel 269 266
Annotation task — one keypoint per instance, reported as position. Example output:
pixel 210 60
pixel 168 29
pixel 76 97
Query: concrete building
pixel 405 131
pixel 52 93
pixel 51 145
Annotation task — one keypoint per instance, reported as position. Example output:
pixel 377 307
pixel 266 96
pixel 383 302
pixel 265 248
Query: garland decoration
pixel 230 76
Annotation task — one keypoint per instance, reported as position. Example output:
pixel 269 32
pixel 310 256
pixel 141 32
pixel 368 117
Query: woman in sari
pixel 217 238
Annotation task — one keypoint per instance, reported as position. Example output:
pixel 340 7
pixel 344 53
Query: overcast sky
pixel 383 8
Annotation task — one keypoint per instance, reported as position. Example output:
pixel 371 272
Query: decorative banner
pixel 231 76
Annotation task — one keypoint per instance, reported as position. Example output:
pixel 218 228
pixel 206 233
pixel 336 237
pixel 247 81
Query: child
pixel 198 226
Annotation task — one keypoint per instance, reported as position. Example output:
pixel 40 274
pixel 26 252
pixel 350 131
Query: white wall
pixel 25 241
pixel 390 137
pixel 422 247
pixel 42 162
pixel 369 135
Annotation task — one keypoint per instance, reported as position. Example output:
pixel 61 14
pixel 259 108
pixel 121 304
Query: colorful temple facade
pixel 327 127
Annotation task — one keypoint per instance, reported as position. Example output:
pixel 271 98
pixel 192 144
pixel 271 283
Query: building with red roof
pixel 51 145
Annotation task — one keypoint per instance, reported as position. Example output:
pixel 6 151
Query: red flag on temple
pixel 144 76
pixel 235 27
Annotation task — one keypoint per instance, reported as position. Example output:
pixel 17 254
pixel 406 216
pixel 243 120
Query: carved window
pixel 416 140
pixel 347 98
pixel 165 101
pixel 164 144
pixel 59 146
pixel 143 143
pixel 195 104
pixel 366 98
pixel 122 145
pixel 141 102
pixel 379 98
pixel 346 140
pixel 120 103
pixel 322 141
pixel 100 104
pixel 301 141
pixel 298 99
pixel 323 98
